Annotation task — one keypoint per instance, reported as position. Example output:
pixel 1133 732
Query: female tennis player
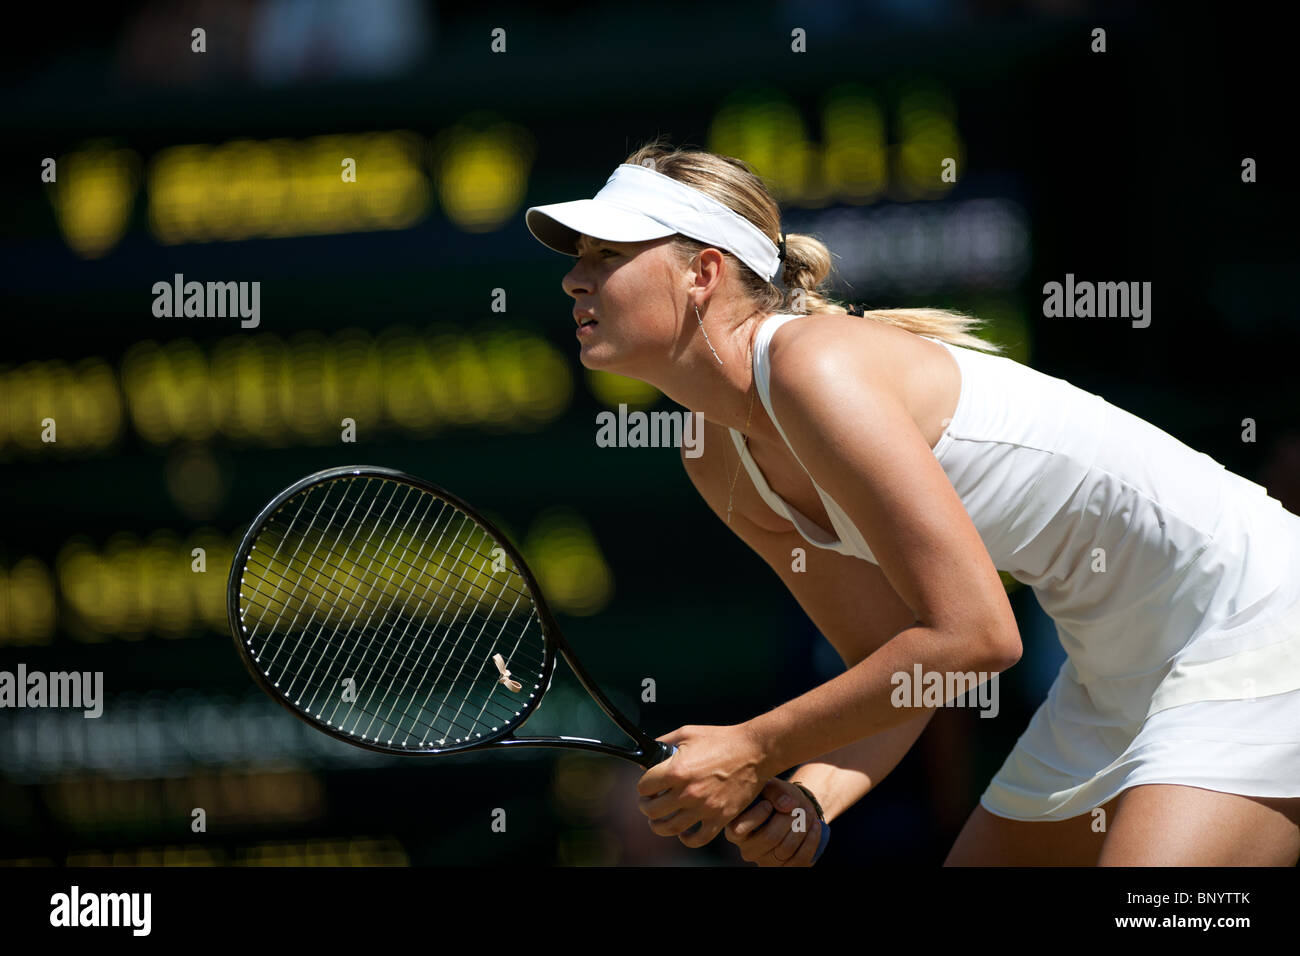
pixel 918 463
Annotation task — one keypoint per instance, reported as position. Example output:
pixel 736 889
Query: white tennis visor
pixel 637 204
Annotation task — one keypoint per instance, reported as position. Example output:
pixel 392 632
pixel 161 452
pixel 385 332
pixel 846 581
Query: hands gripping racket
pixel 389 614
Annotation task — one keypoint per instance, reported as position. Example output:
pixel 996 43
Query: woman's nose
pixel 575 282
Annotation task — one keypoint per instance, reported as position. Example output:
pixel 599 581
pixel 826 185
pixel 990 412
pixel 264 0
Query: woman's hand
pixel 715 774
pixel 765 832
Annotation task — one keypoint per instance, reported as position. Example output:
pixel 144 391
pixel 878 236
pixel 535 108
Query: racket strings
pixel 436 679
pixel 320 558
pixel 369 680
pixel 454 720
pixel 360 604
pixel 309 548
pixel 344 587
pixel 526 660
pixel 485 557
pixel 450 658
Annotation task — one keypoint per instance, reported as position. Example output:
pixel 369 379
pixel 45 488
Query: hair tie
pixel 781 246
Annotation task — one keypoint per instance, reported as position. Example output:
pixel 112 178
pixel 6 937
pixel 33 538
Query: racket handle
pixel 665 751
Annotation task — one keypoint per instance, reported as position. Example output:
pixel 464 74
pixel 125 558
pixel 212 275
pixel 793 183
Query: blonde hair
pixel 734 183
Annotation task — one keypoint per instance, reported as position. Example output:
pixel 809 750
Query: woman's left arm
pixel 861 445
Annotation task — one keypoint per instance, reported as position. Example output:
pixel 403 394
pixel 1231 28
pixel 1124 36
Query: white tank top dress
pixel 1173 583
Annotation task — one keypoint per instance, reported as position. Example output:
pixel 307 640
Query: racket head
pixel 375 575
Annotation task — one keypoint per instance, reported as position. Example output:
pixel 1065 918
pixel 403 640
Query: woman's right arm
pixel 849 600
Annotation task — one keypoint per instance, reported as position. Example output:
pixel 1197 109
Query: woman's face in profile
pixel 626 288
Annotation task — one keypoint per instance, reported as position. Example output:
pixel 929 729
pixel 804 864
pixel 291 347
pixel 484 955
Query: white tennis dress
pixel 1183 654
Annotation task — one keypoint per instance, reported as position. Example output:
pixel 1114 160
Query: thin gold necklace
pixel 753 390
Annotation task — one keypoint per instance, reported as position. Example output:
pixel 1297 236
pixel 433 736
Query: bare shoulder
pixel 811 333
pixel 822 346
pixel 832 361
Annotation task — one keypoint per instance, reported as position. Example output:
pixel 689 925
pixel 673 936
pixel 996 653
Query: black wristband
pixel 816 806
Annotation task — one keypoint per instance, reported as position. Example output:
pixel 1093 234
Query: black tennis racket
pixel 388 613
pixel 375 606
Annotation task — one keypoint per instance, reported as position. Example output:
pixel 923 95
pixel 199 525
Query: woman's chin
pixel 605 357
pixel 595 357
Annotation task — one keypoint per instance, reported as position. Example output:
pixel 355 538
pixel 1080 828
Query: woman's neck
pixel 723 391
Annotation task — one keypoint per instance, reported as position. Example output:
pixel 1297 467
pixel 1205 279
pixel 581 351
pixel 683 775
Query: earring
pixel 706 335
